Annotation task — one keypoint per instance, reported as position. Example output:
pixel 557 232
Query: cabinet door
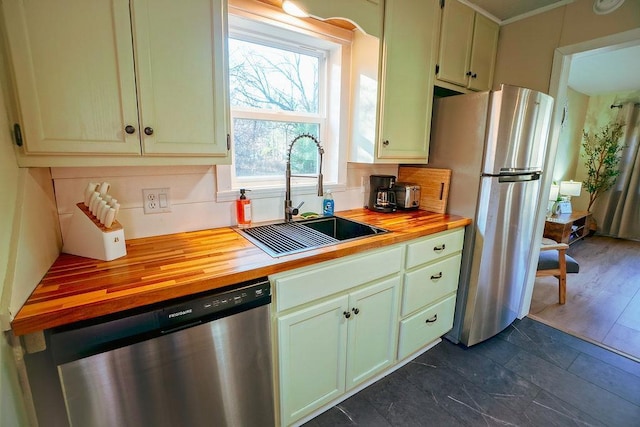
pixel 312 357
pixel 483 53
pixel 373 327
pixel 455 42
pixel 74 75
pixel 408 61
pixel 180 58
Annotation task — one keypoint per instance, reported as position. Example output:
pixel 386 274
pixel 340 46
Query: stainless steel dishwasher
pixel 205 361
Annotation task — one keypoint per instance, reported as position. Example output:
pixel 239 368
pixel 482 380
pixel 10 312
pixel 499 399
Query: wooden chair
pixel 554 261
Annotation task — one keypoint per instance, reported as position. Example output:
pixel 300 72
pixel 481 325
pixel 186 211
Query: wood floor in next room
pixel 603 299
pixel 528 375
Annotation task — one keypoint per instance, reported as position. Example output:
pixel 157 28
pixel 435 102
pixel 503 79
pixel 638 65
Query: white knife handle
pixel 95 197
pixel 104 188
pixel 116 206
pixel 109 217
pixel 102 211
pixel 88 192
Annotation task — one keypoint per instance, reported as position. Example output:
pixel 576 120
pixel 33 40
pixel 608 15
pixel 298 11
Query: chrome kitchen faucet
pixel 289 211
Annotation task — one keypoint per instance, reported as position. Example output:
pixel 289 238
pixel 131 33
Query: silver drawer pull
pixel 433 319
pixel 439 248
pixel 437 276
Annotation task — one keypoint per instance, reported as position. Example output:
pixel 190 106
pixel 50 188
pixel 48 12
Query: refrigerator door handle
pixel 519 178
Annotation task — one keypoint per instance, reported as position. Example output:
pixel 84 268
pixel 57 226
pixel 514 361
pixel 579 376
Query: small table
pixel 567 228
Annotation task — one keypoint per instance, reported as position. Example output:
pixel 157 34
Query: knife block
pixel 88 238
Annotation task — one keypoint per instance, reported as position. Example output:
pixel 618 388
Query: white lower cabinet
pixel 341 323
pixel 312 357
pixel 372 334
pixel 432 271
pixel 426 326
pixel 330 347
pixel 430 283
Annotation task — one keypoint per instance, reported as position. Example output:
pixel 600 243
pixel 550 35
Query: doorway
pixel 601 286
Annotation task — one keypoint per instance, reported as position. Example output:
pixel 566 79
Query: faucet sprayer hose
pixel 288 211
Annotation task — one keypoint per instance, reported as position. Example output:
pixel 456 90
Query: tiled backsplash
pixel 192 196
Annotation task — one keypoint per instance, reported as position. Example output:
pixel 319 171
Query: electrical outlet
pixel 156 200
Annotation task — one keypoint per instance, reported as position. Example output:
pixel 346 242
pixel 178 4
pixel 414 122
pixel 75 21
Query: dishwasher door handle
pixel 181 327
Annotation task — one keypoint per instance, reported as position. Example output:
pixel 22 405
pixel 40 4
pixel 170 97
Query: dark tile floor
pixel 528 375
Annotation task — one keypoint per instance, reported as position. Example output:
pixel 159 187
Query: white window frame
pixel 256 21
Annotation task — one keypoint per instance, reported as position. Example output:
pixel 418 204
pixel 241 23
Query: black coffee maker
pixel 382 197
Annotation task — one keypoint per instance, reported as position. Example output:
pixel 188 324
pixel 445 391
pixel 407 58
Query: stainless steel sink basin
pixel 341 228
pixel 291 237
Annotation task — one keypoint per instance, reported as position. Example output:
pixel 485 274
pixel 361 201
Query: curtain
pixel 617 211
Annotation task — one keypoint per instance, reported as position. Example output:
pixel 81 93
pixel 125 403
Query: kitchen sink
pixel 341 228
pixel 291 237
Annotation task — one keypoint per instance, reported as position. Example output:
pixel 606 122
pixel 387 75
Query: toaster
pixel 407 195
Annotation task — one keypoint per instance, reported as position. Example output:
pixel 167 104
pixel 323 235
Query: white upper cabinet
pixel 483 53
pixel 74 74
pixel 180 58
pixel 468 46
pixel 105 82
pixel 406 95
pixel 394 127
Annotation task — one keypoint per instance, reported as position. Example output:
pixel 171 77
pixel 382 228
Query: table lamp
pixel 552 207
pixel 567 190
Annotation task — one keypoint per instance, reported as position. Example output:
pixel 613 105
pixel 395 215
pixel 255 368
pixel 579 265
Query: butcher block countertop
pixel 160 268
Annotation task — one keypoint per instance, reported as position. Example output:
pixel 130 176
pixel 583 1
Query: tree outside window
pixel 275 93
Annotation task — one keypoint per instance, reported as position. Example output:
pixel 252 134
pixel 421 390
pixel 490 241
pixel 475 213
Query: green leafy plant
pixel 602 155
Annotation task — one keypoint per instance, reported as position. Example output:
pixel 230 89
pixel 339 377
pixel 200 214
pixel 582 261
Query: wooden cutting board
pixel 434 186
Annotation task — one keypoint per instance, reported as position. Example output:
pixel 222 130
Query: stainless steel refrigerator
pixel 495 145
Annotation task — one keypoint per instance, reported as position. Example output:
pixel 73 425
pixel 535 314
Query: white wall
pixel 12 409
pixel 29 244
pixel 192 196
pixel 12 412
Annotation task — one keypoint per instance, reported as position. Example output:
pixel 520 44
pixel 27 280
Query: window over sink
pixel 287 76
pixel 277 92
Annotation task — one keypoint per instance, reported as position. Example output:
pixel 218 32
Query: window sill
pixel 276 192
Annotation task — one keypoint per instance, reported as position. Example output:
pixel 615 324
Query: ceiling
pixel 608 72
pixel 505 10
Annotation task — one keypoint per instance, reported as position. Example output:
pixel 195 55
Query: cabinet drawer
pixel 430 283
pixel 296 288
pixel 434 247
pixel 426 326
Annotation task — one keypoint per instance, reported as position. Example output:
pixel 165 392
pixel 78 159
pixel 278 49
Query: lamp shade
pixel 553 194
pixel 570 188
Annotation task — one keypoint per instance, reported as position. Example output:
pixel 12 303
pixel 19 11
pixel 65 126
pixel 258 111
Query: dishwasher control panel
pixel 247 295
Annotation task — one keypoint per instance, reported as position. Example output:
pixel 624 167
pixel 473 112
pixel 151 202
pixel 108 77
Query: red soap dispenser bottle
pixel 243 209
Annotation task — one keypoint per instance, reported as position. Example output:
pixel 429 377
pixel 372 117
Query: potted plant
pixel 601 151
